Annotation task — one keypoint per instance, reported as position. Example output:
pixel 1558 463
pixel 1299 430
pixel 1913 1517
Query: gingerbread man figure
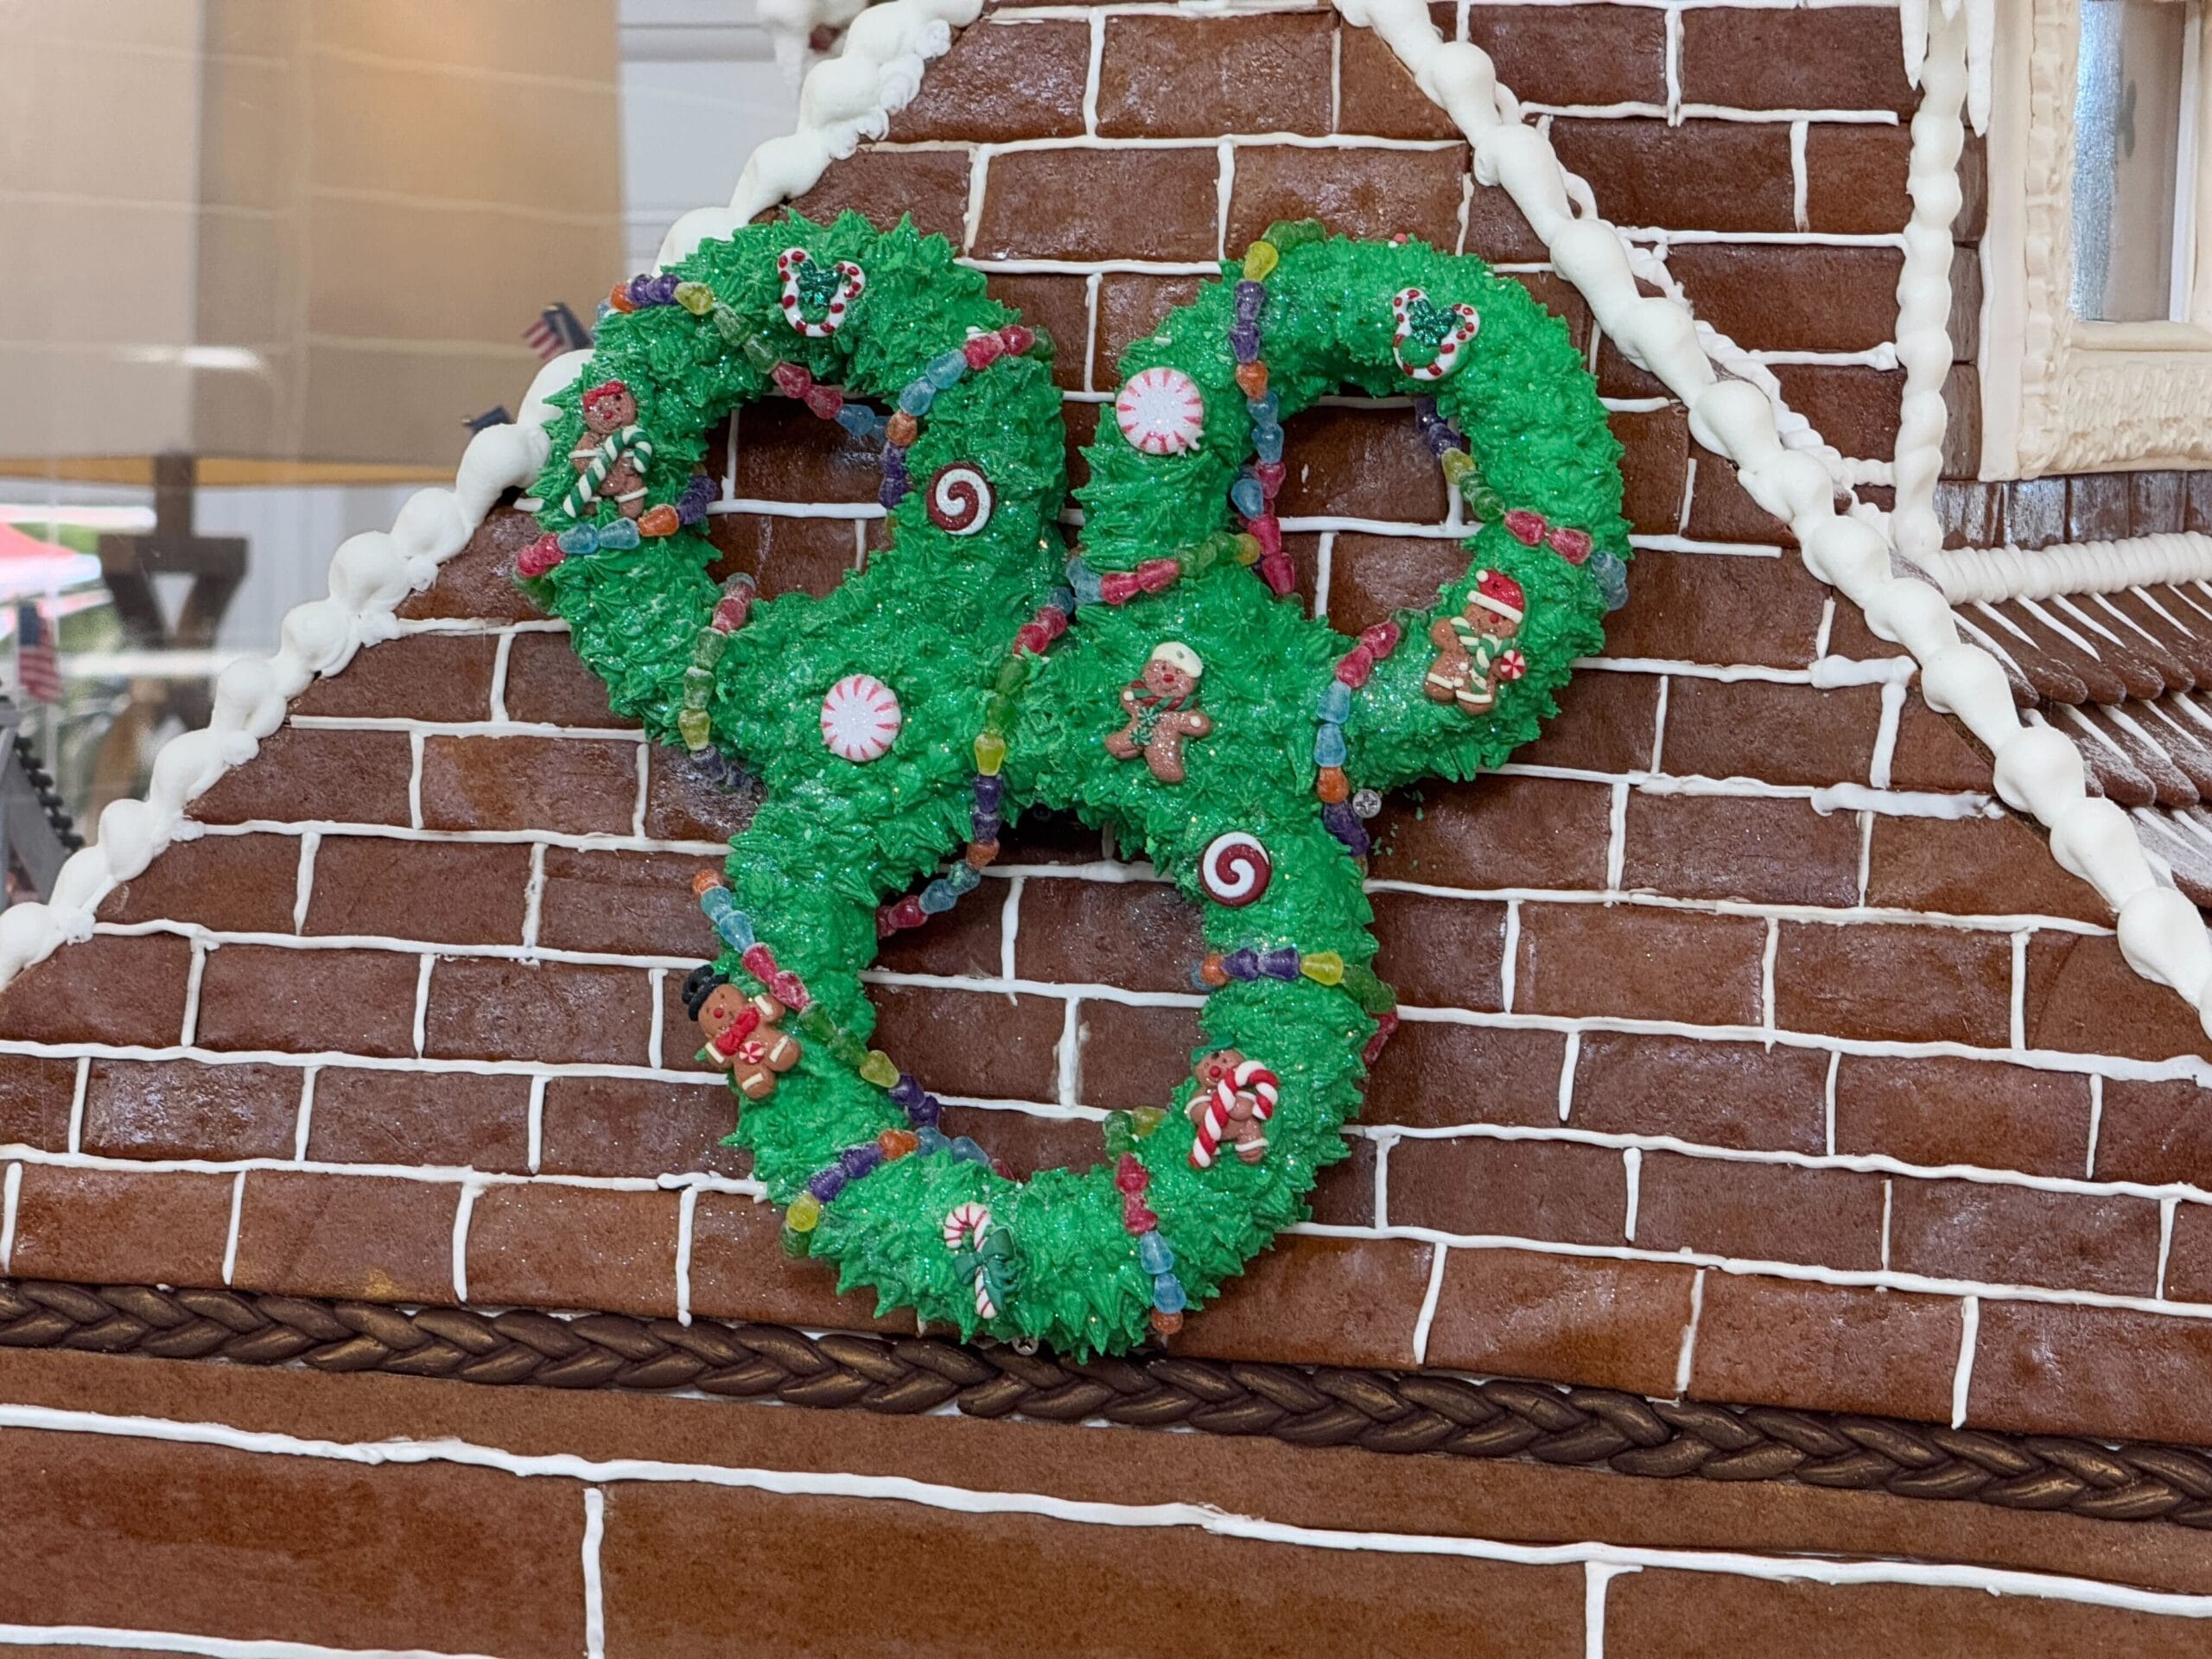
pixel 1161 712
pixel 610 411
pixel 1246 1130
pixel 1474 653
pixel 741 1032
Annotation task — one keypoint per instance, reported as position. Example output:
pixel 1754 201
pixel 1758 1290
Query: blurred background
pixel 267 262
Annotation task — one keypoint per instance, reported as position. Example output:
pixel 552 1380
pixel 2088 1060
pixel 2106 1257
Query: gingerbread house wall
pixel 1735 1065
pixel 1744 1053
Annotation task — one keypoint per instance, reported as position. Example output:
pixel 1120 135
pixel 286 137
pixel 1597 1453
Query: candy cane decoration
pixel 629 440
pixel 1248 1077
pixel 1447 349
pixel 965 1228
pixel 851 280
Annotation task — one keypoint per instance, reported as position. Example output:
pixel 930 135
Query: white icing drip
pixel 369 577
pixel 1923 333
pixel 1987 575
pixel 845 100
pixel 11 1188
pixel 2162 935
pixel 1427 1317
pixel 1687 1357
pixel 594 1591
pixel 1980 43
pixel 48 1638
pixel 1969 1331
pixel 962 1500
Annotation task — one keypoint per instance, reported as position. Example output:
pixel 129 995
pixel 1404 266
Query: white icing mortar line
pixel 963 1500
pixel 55 1638
pixel 2161 932
pixel 594 1591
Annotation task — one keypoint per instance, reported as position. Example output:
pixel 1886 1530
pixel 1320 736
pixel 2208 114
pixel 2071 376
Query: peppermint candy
pixel 860 718
pixel 1161 411
pixel 1235 869
pixel 961 499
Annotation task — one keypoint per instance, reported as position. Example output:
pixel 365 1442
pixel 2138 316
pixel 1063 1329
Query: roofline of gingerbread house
pixel 1782 463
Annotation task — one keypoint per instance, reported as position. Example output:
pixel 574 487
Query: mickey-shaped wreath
pixel 1172 615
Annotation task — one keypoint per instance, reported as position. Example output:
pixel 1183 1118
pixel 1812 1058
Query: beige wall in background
pixel 295 230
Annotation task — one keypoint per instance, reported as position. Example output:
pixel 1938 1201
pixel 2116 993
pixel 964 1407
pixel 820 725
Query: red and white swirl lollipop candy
pixel 960 498
pixel 1235 869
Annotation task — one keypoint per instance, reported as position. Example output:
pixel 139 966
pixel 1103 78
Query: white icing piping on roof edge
pixel 2161 934
pixel 1924 330
pixel 1984 575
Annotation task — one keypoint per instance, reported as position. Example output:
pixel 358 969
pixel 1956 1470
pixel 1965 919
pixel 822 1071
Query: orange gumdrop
pixel 659 521
pixel 902 430
pixel 1252 379
pixel 897 1143
pixel 1331 785
pixel 703 880
pixel 1212 971
pixel 980 853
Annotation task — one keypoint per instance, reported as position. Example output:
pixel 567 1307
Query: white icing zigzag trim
pixel 847 98
pixel 2161 934
pixel 369 574
pixel 1984 575
pixel 1923 334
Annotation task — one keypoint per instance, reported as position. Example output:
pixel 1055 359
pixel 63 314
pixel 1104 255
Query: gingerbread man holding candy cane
pixel 1160 711
pixel 1474 650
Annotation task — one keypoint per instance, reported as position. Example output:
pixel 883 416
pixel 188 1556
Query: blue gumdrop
pixel 1267 441
pixel 916 396
pixel 1329 744
pixel 1280 963
pixel 1336 703
pixel 737 930
pixel 1242 965
pixel 1153 1255
pixel 619 537
pixel 931 1139
pixel 1266 410
pixel 1246 497
pixel 1061 600
pixel 1612 577
pixel 578 540
pixel 945 371
pixel 968 1152
pixel 963 877
pixel 1167 1294
pixel 938 897
pixel 1084 581
pixel 862 422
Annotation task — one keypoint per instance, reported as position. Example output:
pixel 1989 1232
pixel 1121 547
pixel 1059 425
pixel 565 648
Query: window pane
pixel 2128 122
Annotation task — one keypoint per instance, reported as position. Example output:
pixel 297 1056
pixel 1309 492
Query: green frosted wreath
pixel 1191 704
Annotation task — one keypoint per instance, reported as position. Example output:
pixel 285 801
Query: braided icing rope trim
pixel 1167 629
pixel 2038 770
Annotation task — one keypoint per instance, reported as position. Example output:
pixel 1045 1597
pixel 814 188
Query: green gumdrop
pixel 794 1243
pixel 1288 233
pixel 1121 1133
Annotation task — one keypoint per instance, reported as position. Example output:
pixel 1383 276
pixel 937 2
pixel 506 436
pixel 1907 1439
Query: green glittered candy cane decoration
pixel 1190 704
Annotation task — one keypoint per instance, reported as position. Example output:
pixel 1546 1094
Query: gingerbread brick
pixel 1777 734
pixel 1699 607
pixel 255 996
pixel 1560 1191
pixel 929 186
pixel 1605 723
pixel 2188 1263
pixel 479 581
pixel 1820 1347
pixel 1575 54
pixel 1135 1056
pixel 362 1238
pixel 184 1109
pixel 1724 847
pixel 681 805
pixel 108 990
pixel 966 939
pixel 1934 752
pixel 1131 305
pixel 1991 1233
pixel 1592 1323
pixel 580 786
pixel 1497 833
pixel 1654 444
pixel 1184 77
pixel 435 892
pixel 445 1119
pixel 444 676
pixel 1057 307
pixel 547 684
pixel 638 903
pixel 1373 193
pixel 1789 298
pixel 1936 1110
pixel 987 1044
pixel 1698 176
pixel 1372 576
pixel 314 776
pixel 1440 953
pixel 1829 58
pixel 1853 407
pixel 1740 1095
pixel 785 454
pixel 2082 996
pixel 1361 463
pixel 1722 510
pixel 1855 177
pixel 1099 204
pixel 790 556
pixel 1141 936
pixel 1026 1141
pixel 34 1101
pixel 1421 1078
pixel 1626 961
pixel 1760 1211
pixel 1001 82
pixel 739 1271
pixel 1974 867
pixel 2042 1368
pixel 547 1245
pixel 1910 984
pixel 1322 1301
pixel 116 1227
pixel 486 1009
pixel 2155 1132
pixel 235 884
pixel 623 1126
pixel 1377 96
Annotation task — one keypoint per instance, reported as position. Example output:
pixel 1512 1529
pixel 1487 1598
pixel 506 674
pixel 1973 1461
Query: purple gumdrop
pixel 923 1113
pixel 857 1161
pixel 1242 965
pixel 663 289
pixel 1340 820
pixel 1281 962
pixel 1251 299
pixel 990 789
pixel 1244 343
pixel 907 1093
pixel 983 826
pixel 826 1183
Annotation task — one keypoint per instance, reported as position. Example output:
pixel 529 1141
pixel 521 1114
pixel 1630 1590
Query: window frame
pixel 2060 393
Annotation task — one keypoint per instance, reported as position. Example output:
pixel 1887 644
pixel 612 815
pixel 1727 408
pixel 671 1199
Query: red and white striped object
pixel 851 279
pixel 1161 411
pixel 1248 1077
pixel 966 1225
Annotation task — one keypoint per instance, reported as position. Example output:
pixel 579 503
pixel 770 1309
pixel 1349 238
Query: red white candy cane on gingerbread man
pixel 1248 1078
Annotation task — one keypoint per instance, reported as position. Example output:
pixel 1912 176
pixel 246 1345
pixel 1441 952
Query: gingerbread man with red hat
pixel 1475 648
